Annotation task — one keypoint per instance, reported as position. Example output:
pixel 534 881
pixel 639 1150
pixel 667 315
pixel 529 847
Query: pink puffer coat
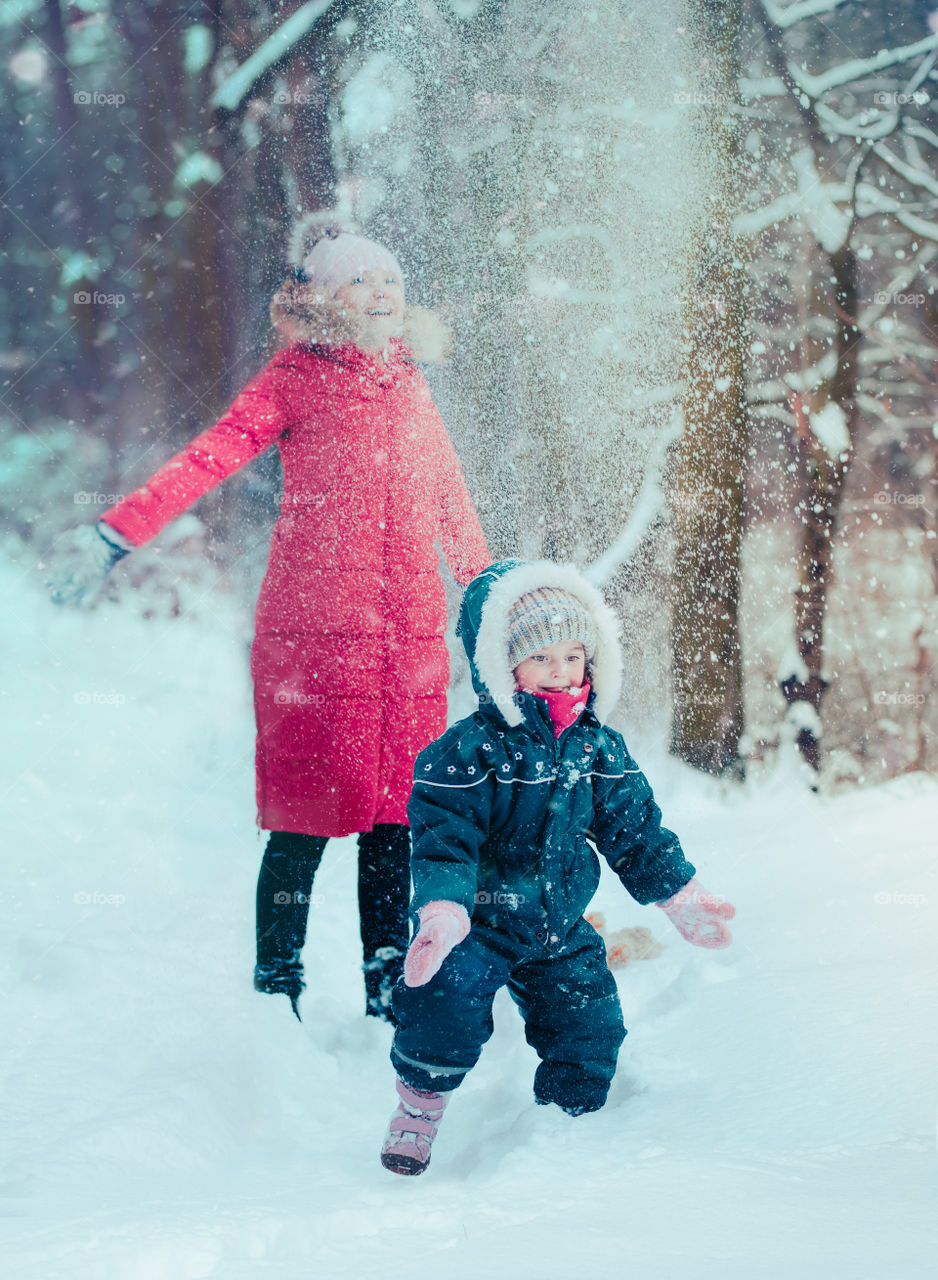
pixel 349 664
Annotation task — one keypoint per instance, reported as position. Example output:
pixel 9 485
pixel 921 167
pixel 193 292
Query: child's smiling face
pixel 378 295
pixel 558 666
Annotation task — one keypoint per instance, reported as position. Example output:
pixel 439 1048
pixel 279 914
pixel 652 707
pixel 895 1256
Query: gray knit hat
pixel 544 617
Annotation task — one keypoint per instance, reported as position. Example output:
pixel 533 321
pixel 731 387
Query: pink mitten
pixel 443 925
pixel 698 915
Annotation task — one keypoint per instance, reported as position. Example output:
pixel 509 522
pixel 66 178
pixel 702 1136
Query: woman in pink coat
pixel 349 664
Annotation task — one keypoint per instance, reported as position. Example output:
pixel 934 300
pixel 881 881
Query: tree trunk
pixel 825 474
pixel 708 498
pixel 76 226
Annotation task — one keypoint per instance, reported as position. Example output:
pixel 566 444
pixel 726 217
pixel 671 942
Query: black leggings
pixel 289 866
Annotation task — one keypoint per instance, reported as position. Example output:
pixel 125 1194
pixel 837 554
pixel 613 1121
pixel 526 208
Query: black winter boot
pixel 283 887
pixel 381 973
pixel 284 978
pixel 383 900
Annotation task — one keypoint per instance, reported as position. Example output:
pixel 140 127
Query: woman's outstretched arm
pixel 246 429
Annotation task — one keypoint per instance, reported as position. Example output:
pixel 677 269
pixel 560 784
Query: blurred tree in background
pixel 687 253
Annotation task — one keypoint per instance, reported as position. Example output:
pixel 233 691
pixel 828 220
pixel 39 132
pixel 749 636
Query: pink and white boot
pixel 412 1129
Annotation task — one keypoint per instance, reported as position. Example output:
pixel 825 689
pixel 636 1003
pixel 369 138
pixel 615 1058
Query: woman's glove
pixel 82 560
pixel 698 915
pixel 443 925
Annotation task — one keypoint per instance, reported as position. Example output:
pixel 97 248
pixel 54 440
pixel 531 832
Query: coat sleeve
pixel 255 419
pixel 627 830
pixel 450 812
pixel 461 535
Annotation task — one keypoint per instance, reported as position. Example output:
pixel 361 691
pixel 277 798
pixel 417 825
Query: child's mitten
pixel 698 915
pixel 443 925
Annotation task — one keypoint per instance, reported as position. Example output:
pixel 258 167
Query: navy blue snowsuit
pixel 503 818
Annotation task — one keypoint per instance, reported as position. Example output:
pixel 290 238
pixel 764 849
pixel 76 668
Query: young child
pixel 504 810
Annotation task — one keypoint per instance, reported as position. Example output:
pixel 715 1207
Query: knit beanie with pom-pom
pixel 330 255
pixel 544 617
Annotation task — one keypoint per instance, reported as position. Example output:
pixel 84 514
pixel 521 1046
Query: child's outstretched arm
pixel 647 857
pixel 627 829
pixel 450 815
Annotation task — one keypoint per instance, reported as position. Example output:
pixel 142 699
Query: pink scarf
pixel 564 705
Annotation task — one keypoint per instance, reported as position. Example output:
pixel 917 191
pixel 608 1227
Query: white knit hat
pixel 333 263
pixel 544 617
pixel 331 255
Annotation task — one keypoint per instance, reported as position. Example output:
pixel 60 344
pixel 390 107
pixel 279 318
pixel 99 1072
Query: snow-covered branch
pixel 809 379
pixel 783 18
pixel 772 409
pixel 881 124
pixel 875 408
pixel 232 91
pixel 918 177
pixel 815 201
pixel 917 130
pixel 858 126
pixel 648 506
pixel 858 68
pixel 870 201
pixel 763 87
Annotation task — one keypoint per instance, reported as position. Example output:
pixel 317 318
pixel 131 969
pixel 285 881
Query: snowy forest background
pixel 687 251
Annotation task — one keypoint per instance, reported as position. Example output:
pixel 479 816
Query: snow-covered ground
pixel 774 1111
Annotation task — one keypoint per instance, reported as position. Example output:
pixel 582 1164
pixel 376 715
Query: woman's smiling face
pixel 377 295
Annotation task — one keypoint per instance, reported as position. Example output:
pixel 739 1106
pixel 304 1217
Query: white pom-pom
pixel 309 229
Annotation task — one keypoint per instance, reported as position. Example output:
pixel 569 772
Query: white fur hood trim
pixel 491 650
pixel 301 314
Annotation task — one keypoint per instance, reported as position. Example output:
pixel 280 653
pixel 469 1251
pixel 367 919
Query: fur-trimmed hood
pixel 483 627
pixel 302 314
